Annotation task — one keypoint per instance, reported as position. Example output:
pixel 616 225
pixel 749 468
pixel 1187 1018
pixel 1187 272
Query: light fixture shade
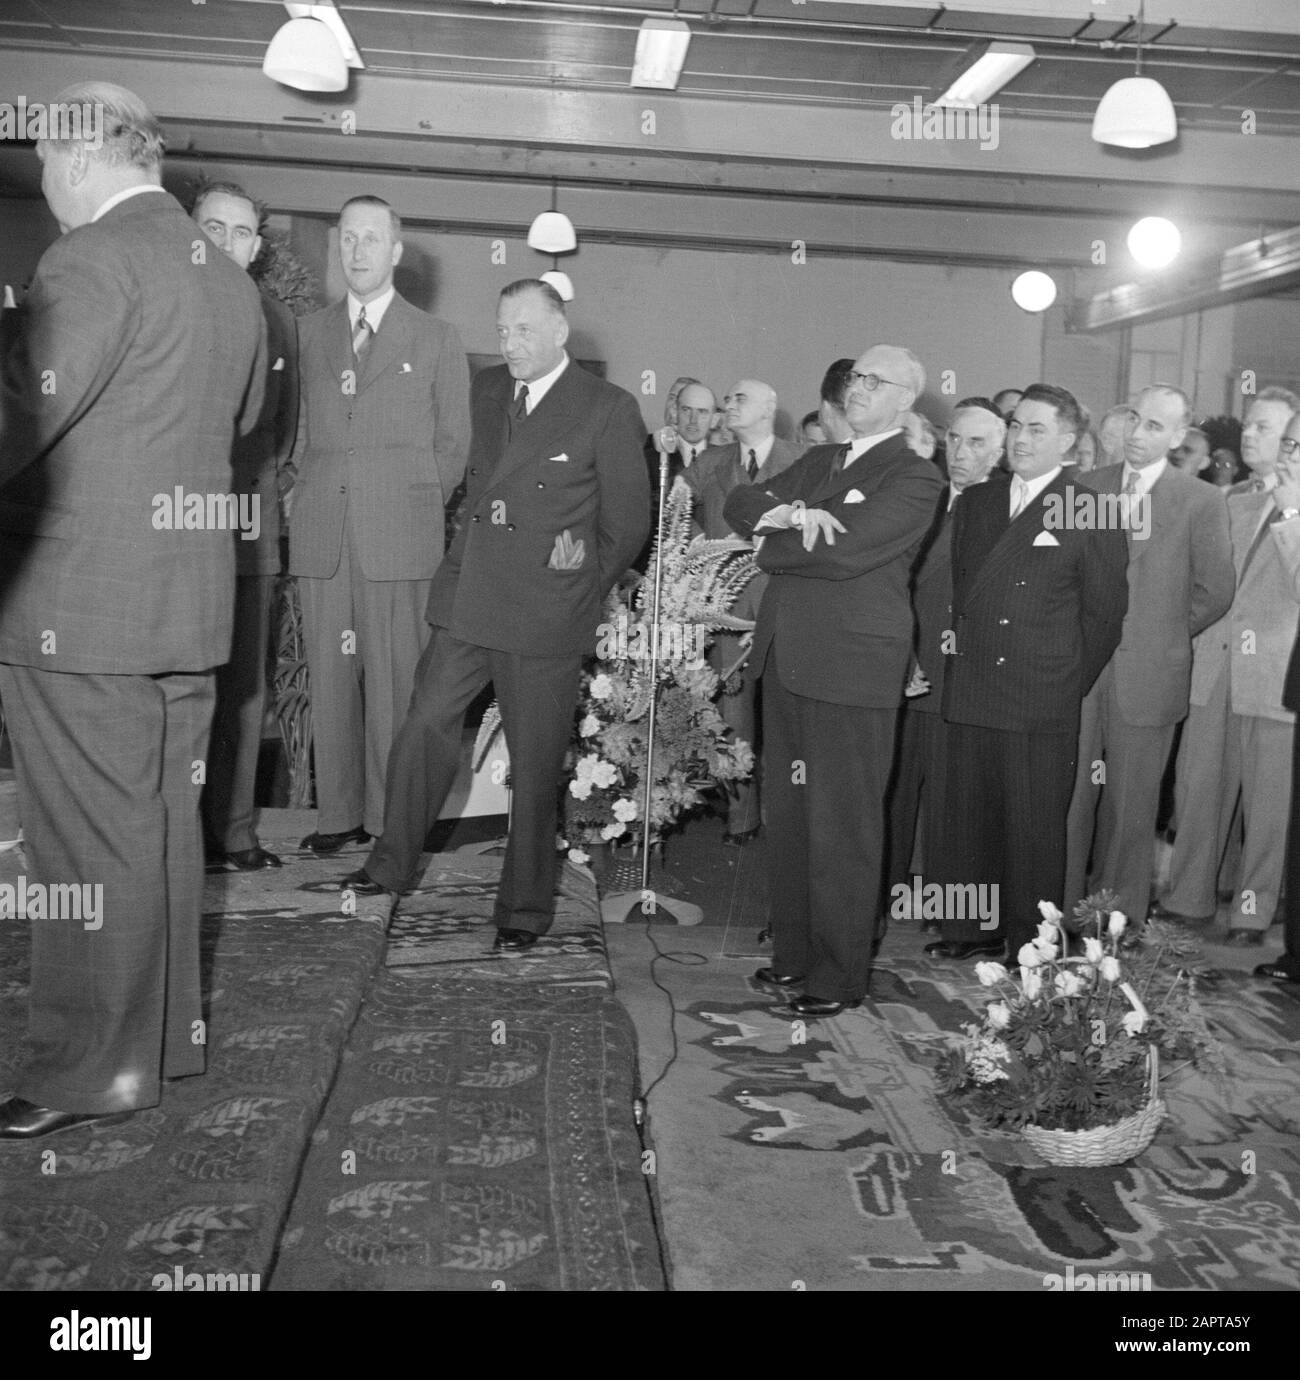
pixel 1135 114
pixel 661 46
pixel 987 75
pixel 1155 242
pixel 305 55
pixel 552 233
pixel 1034 291
pixel 561 282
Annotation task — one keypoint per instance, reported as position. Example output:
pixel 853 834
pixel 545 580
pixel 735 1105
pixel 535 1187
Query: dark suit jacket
pixel 1034 624
pixel 259 457
pixel 932 600
pixel 574 464
pixel 1180 580
pixel 386 445
pixel 841 616
pixel 157 363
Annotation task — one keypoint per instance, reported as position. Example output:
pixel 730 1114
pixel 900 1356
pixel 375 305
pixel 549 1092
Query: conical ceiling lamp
pixel 561 282
pixel 304 54
pixel 553 232
pixel 1136 112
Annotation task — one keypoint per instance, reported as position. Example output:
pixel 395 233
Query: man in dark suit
pixel 232 220
pixel 974 438
pixel 1039 593
pixel 382 439
pixel 1180 580
pixel 840 529
pixel 754 457
pixel 115 605
pixel 556 508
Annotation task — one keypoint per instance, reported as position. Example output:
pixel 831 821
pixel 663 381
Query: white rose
pixel 1110 968
pixel 625 809
pixel 990 974
pixel 604 774
pixel 999 1015
pixel 612 831
pixel 601 687
pixel 1049 912
pixel 589 727
pixel 1028 957
pixel 1118 921
pixel 1134 1022
pixel 576 855
pixel 1093 951
pixel 579 789
pixel 1031 982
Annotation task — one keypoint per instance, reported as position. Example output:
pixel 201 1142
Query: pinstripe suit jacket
pixel 137 363
pixel 1034 624
pixel 379 449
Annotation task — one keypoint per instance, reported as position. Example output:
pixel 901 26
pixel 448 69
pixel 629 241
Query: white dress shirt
pixel 1146 476
pixel 539 388
pixel 1030 489
pixel 374 310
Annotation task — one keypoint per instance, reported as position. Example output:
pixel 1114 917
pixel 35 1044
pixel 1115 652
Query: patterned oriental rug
pixel 833 1164
pixel 506 1150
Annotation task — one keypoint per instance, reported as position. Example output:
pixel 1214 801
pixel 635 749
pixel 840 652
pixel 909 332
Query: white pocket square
pixel 405 369
pixel 279 364
pixel 1045 539
pixel 563 455
pixel 855 496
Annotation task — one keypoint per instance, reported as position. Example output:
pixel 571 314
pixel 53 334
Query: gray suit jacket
pixel 1252 641
pixel 381 448
pixel 1180 580
pixel 135 367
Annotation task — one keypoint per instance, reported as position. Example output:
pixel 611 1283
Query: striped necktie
pixel 361 334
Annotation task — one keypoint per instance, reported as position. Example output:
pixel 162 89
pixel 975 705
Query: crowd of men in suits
pixel 984 648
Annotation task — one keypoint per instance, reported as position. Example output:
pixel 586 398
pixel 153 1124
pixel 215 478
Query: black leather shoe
pixel 1158 912
pixel 1279 971
pixel 331 843
pixel 23 1120
pixel 362 883
pixel 808 1005
pixel 743 837
pixel 769 977
pixel 953 948
pixel 1244 939
pixel 514 940
pixel 252 859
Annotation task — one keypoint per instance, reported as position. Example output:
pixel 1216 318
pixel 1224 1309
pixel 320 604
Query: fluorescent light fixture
pixel 1135 114
pixel 660 53
pixel 986 75
pixel 313 51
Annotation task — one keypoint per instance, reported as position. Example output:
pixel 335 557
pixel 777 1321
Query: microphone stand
pixel 619 908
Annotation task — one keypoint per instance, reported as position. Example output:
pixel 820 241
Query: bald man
pixel 755 456
pixel 840 530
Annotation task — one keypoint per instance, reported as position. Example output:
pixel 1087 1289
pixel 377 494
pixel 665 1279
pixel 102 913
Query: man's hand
pixel 567 553
pixel 917 685
pixel 817 522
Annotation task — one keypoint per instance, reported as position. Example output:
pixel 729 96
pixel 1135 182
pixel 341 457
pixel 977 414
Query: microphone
pixel 665 439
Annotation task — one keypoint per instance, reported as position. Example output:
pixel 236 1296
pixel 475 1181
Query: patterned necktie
pixel 520 409
pixel 751 465
pixel 1131 484
pixel 361 334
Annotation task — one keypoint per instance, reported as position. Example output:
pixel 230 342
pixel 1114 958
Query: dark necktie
pixel 361 334
pixel 520 409
pixel 837 465
pixel 751 465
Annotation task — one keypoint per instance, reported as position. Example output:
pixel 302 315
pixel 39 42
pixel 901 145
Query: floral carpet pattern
pixel 929 1201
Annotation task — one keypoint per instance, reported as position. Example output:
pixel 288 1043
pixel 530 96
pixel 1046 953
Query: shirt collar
pixel 1146 476
pixel 1034 486
pixel 859 445
pixel 762 449
pixel 374 310
pixel 118 197
pixel 539 388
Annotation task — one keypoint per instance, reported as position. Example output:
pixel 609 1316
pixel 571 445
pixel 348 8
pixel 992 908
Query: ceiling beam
pixel 1260 268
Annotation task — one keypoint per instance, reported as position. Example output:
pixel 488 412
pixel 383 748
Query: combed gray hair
pixel 130 135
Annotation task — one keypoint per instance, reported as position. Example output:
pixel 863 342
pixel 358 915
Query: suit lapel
pixel 338 341
pixel 858 474
pixel 392 340
pixel 1017 537
pixel 543 432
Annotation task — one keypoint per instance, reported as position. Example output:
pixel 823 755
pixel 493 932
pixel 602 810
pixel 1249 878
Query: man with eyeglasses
pixel 840 529
pixel 1239 733
pixel 1037 609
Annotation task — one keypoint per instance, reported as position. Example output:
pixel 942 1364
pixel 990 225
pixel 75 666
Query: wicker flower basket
pixel 1104 1145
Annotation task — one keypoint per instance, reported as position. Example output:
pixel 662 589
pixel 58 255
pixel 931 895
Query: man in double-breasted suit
pixel 556 506
pixel 1039 593
pixel 840 529
pixel 117 576
pixel 231 219
pixel 1238 737
pixel 1180 580
pixel 382 439
pixel 755 456
pixel 974 445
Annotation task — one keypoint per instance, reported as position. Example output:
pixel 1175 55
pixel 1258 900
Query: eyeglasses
pixel 1288 446
pixel 871 381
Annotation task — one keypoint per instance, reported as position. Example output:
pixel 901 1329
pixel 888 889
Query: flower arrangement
pixel 605 799
pixel 1065 1043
